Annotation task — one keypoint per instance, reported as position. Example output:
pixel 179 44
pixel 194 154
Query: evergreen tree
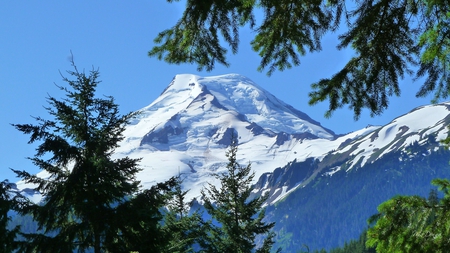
pixel 9 201
pixel 184 230
pixel 388 37
pixel 82 185
pixel 140 221
pixel 413 223
pixel 355 246
pixel 240 219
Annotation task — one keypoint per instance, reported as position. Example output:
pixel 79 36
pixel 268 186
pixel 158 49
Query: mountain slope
pixel 330 199
pixel 332 210
pixel 423 125
pixel 188 127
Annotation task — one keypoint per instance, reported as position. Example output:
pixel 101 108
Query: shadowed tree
pixel 140 221
pixel 389 39
pixel 9 201
pixel 184 228
pixel 81 185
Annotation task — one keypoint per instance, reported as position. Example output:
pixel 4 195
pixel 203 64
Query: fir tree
pixel 387 37
pixel 184 230
pixel 240 219
pixel 413 223
pixel 83 185
pixel 140 221
pixel 9 201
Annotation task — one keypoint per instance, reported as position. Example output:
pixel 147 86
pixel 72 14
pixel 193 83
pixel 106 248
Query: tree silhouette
pixel 82 185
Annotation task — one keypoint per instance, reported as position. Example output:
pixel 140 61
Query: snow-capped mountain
pixel 424 125
pixel 420 125
pixel 329 184
pixel 189 126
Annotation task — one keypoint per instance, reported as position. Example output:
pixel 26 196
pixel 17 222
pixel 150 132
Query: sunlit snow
pixel 184 132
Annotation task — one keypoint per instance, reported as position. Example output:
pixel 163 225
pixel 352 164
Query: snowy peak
pixel 189 126
pixel 191 96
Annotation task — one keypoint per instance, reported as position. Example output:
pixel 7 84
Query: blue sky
pixel 36 38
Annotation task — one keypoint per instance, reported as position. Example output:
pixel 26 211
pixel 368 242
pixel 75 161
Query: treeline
pixel 93 203
pixel 353 246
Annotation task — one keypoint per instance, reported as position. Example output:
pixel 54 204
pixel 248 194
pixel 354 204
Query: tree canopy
pixel 413 223
pixel 92 202
pixel 390 39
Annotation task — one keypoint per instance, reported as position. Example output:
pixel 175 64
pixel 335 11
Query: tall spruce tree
pixel 388 38
pixel 83 185
pixel 240 219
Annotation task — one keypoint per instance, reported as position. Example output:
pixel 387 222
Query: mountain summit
pixel 188 127
pixel 215 105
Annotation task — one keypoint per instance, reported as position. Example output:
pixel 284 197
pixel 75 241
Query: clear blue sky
pixel 36 38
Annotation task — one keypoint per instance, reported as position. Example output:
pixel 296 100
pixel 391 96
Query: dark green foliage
pixel 413 223
pixel 196 36
pixel 240 219
pixel 139 221
pixel 435 49
pixel 9 201
pixel 183 230
pixel 388 38
pixel 384 44
pixel 289 30
pixel 353 246
pixel 84 184
pixel 330 211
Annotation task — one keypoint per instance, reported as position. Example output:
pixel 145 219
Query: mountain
pixel 322 187
pixel 332 197
pixel 421 126
pixel 187 129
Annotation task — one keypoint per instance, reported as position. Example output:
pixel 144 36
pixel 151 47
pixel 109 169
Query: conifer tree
pixel 9 201
pixel 388 39
pixel 412 223
pixel 240 219
pixel 82 185
pixel 140 221
pixel 184 230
